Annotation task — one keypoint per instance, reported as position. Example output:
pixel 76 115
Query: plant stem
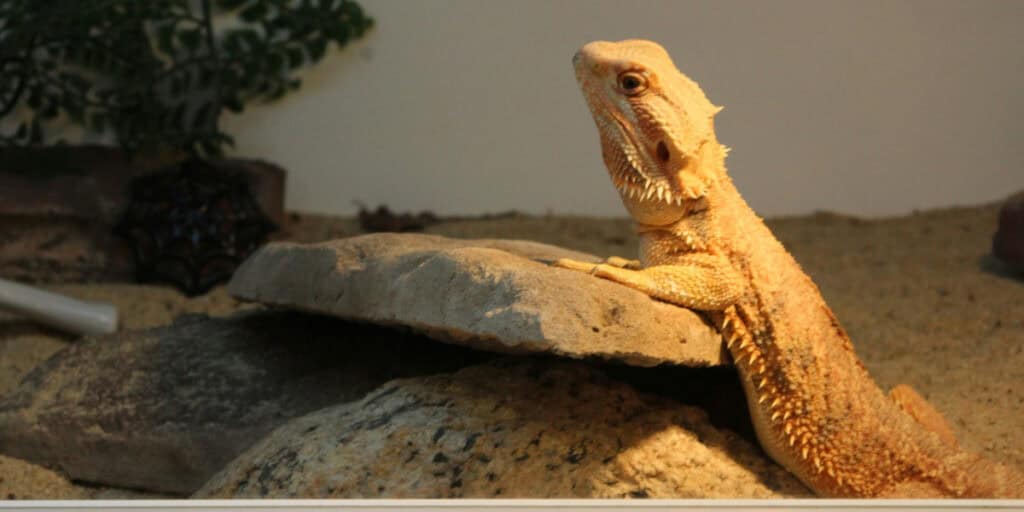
pixel 211 44
pixel 22 78
pixel 178 67
pixel 15 98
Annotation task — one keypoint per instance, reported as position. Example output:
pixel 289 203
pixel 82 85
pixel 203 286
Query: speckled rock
pixel 496 295
pixel 507 429
pixel 24 344
pixel 163 409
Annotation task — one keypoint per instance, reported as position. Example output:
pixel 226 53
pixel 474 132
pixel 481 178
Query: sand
pixel 923 302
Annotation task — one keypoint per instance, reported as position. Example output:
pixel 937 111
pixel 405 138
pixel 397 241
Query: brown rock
pixel 163 409
pixel 507 429
pixel 496 295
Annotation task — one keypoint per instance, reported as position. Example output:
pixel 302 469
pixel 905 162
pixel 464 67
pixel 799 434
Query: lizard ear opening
pixel 662 151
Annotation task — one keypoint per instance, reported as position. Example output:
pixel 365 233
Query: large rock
pixel 496 295
pixel 163 409
pixel 507 429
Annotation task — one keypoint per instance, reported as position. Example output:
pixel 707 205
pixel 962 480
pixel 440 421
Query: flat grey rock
pixel 163 409
pixel 498 295
pixel 539 428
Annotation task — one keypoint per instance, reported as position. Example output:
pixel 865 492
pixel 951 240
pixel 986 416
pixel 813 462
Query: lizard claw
pixel 571 264
pixel 620 262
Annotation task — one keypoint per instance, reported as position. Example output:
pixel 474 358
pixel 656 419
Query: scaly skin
pixel 814 406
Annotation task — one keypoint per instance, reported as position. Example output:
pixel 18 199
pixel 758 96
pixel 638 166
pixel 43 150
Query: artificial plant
pixel 157 73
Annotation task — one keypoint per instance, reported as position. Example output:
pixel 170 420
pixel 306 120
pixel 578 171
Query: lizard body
pixel 814 406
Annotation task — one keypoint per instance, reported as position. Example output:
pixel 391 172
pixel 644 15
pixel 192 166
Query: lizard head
pixel 656 126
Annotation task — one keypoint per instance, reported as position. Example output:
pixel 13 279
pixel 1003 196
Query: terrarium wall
pixel 465 107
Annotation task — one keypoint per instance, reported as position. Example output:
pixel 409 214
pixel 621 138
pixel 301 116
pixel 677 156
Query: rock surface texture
pixel 495 295
pixel 25 344
pixel 505 429
pixel 164 409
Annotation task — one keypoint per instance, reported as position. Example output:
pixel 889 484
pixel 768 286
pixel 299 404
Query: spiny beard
pixel 630 184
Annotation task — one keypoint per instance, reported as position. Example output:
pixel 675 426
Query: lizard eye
pixel 632 83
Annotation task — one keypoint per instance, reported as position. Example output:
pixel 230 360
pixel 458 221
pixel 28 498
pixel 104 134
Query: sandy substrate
pixel 921 299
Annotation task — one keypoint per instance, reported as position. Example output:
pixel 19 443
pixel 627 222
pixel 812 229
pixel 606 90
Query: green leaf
pixel 165 38
pixel 232 104
pixel 206 76
pixel 316 48
pixel 189 38
pixel 275 63
pixel 362 24
pixel 228 77
pixel 73 54
pixel 178 116
pixel 339 33
pixel 254 13
pixel 209 147
pixel 295 57
pixel 230 4
pixel 22 130
pixel 232 43
pixel 251 37
pixel 201 118
pixel 252 70
pixel 277 92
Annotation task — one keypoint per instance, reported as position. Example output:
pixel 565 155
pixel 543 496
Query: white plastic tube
pixel 65 313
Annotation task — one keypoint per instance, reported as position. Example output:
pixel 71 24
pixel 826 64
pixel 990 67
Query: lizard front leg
pixel 583 266
pixel 697 281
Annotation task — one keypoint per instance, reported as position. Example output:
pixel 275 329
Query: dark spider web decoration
pixel 1008 242
pixel 191 226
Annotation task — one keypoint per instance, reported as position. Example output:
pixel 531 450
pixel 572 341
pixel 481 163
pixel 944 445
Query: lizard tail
pixel 988 479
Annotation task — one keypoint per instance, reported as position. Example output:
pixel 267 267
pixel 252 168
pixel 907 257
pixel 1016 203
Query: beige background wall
pixel 863 107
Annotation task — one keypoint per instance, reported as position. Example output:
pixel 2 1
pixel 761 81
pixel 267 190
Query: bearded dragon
pixel 815 409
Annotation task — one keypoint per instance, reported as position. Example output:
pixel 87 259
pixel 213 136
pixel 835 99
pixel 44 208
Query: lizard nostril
pixel 662 151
